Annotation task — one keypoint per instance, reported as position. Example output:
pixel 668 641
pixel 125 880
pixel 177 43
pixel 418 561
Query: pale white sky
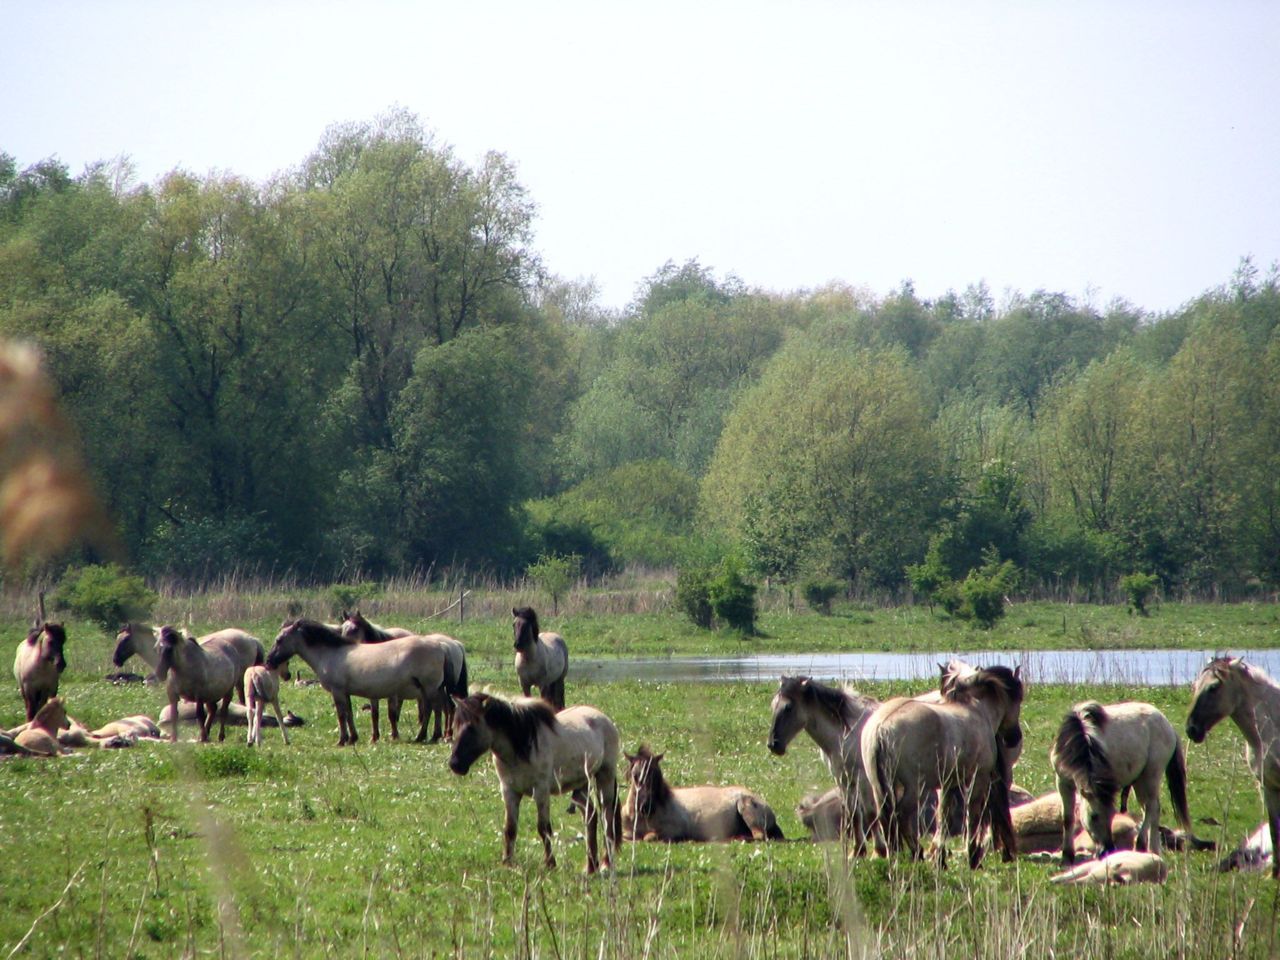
pixel 1127 148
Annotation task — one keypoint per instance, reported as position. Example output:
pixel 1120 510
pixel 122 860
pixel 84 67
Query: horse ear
pixel 1017 672
pixel 630 757
pixel 657 757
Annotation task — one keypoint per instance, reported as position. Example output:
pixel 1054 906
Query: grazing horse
pixel 244 648
pixel 206 675
pixel 833 717
pixel 657 811
pixel 1099 750
pixel 405 668
pixel 542 659
pixel 39 664
pixel 355 625
pixel 262 685
pixel 538 752
pixel 1228 687
pixel 912 749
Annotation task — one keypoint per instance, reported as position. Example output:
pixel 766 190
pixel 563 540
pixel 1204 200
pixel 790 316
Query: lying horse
pixel 1098 750
pixel 407 667
pixel 1038 827
pixel 1255 853
pixel 657 811
pixel 38 665
pixel 41 735
pixel 538 752
pixel 1119 867
pixel 912 750
pixel 243 648
pixel 204 674
pixel 356 626
pixel 542 659
pixel 1228 687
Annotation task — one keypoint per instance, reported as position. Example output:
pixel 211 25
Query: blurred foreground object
pixel 46 501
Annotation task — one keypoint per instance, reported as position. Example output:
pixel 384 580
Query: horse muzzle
pixel 777 748
pixel 458 765
pixel 1195 732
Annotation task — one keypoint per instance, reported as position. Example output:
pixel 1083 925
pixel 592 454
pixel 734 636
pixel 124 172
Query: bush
pixel 1139 587
pixel 931 579
pixel 982 592
pixel 818 592
pixel 693 594
pixel 105 595
pixel 733 600
pixel 555 574
pixel 348 596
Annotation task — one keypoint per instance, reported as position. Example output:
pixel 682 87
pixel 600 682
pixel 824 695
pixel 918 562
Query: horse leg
pixel 393 716
pixel 342 720
pixel 352 734
pixel 239 690
pixel 424 714
pixel 978 811
pixel 437 714
pixel 542 798
pixel 1271 797
pixel 592 814
pixel 511 801
pixel 1067 792
pixel 222 717
pixel 1124 798
pixel 611 810
pixel 373 716
pixel 173 713
pixel 252 706
pixel 1147 791
pixel 275 705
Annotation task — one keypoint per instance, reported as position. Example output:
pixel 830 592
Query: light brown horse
pixel 538 752
pixel 542 659
pixel 1038 827
pixel 658 811
pixel 912 749
pixel 1228 687
pixel 356 626
pixel 262 685
pixel 205 675
pixel 244 648
pixel 1119 867
pixel 406 668
pixel 1098 750
pixel 41 735
pixel 38 665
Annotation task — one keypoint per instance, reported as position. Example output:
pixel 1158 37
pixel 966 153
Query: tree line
pixel 361 367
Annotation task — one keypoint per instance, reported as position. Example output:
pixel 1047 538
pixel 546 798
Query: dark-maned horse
pixel 912 750
pixel 1228 687
pixel 205 675
pixel 406 668
pixel 538 753
pixel 657 811
pixel 1099 750
pixel 244 648
pixel 542 659
pixel 38 665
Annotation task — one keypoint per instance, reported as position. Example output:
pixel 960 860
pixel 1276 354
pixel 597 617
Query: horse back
pixel 583 746
pixel 243 648
pixel 1137 735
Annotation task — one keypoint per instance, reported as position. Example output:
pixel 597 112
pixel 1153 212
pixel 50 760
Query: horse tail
pixel 1078 753
pixel 460 687
pixel 259 657
pixel 1176 776
pixel 1000 819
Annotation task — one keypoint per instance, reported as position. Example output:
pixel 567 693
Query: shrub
pixel 819 592
pixel 733 600
pixel 931 579
pixel 693 595
pixel 555 574
pixel 348 596
pixel 105 595
pixel 982 592
pixel 1139 587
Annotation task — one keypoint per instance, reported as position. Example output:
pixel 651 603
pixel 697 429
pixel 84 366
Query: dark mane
pixel 316 634
pixel 998 680
pixel 1077 750
pixel 841 704
pixel 655 789
pixel 518 721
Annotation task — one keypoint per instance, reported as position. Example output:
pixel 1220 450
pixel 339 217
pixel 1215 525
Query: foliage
pixel 931 578
pixel 693 594
pixel 732 598
pixel 104 594
pixel 984 590
pixel 1139 588
pixel 345 597
pixel 555 574
pixel 819 591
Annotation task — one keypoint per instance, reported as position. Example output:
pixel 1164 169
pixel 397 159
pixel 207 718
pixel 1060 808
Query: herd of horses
pixel 941 762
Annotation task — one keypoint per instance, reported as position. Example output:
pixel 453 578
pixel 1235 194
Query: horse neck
pixel 1257 715
pixel 319 659
pixel 147 651
pixel 827 731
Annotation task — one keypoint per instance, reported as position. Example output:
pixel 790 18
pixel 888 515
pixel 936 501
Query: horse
pixel 407 667
pixel 1228 687
pixel 204 674
pixel 658 811
pixel 244 648
pixel 834 718
pixel 912 749
pixel 355 625
pixel 542 659
pixel 1099 750
pixel 262 685
pixel 38 665
pixel 41 735
pixel 539 752
pixel 1119 867
pixel 1037 826
pixel 1255 853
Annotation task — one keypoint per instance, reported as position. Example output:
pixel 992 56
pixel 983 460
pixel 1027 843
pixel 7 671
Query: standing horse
pixel 657 811
pixel 542 659
pixel 538 752
pixel 262 684
pixel 1099 750
pixel 355 625
pixel 912 750
pixel 206 675
pixel 405 668
pixel 1228 687
pixel 833 717
pixel 244 648
pixel 38 665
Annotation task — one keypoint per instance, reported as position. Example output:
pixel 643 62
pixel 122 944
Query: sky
pixel 1101 149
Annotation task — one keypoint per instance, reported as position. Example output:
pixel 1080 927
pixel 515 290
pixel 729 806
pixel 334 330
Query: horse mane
pixel 518 720
pixel 1220 666
pixel 999 680
pixel 316 634
pixel 1077 748
pixel 845 705
pixel 656 785
pixel 57 633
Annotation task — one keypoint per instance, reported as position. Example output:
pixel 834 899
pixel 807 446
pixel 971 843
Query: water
pixel 1136 667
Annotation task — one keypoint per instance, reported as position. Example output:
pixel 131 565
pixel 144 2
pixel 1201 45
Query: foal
pixel 262 686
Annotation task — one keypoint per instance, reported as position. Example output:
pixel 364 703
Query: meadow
pixel 310 851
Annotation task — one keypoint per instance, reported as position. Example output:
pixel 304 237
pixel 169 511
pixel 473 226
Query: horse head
pixel 645 777
pixel 355 626
pixel 125 647
pixel 50 638
pixel 1215 694
pixel 472 737
pixel 52 716
pixel 286 644
pixel 525 627
pixel 788 718
pixel 167 642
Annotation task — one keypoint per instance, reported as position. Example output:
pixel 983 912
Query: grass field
pixel 309 850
